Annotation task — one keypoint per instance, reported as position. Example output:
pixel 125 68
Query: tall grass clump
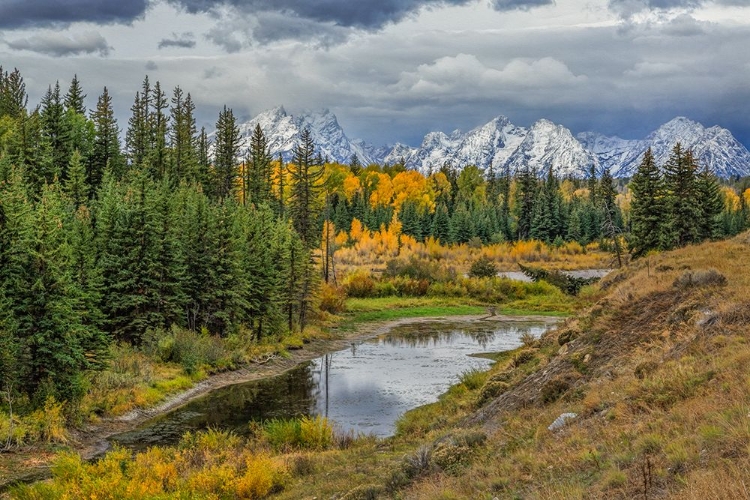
pixel 309 433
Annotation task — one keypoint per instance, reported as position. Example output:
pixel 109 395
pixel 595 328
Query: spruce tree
pixel 461 225
pixel 526 194
pixel 55 129
pixel 441 224
pixel 682 214
pixel 75 185
pixel 34 154
pixel 710 203
pixel 203 168
pixel 647 208
pixel 258 173
pixel 137 135
pixel 105 153
pixel 305 177
pixel 60 345
pixel 410 220
pixel 74 99
pixel 225 155
pixel 13 98
pixel 158 128
pixel 184 154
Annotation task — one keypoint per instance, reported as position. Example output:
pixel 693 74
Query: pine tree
pixel 410 220
pixel 682 211
pixel 203 169
pixel 184 157
pixel 60 345
pixel 34 154
pixel 461 225
pixel 75 185
pixel 647 209
pixel 225 156
pixel 441 224
pixel 710 204
pixel 545 222
pixel 74 99
pixel 258 181
pixel 526 194
pixel 158 128
pixel 13 98
pixel 52 114
pixel 137 141
pixel 305 182
pixel 105 153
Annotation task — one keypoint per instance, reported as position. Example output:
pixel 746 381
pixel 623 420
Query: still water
pixel 364 388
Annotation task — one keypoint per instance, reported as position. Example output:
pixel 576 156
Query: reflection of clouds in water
pixel 364 388
pixel 373 383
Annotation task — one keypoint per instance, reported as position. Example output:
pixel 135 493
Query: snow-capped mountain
pixel 549 146
pixel 714 147
pixel 283 130
pixel 500 144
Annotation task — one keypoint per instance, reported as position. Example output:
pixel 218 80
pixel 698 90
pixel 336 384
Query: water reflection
pixel 364 388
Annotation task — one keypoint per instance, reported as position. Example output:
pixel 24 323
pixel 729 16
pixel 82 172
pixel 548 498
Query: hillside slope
pixel 657 375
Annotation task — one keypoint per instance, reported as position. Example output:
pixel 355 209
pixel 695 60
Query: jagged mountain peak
pixel 714 147
pixel 283 130
pixel 499 145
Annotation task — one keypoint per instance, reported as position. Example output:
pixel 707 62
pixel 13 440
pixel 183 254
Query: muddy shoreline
pixel 92 440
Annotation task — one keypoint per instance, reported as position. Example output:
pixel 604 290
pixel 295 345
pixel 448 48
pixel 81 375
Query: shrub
pixel 315 433
pixel 555 388
pixel 417 463
pixel 48 423
pixel 522 357
pixel 359 284
pixel 450 457
pixel 473 379
pixel 332 298
pixel 483 267
pixel 306 433
pixel 419 269
pixel 491 390
pixel 385 288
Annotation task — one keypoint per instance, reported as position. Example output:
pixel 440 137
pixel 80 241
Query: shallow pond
pixel 363 389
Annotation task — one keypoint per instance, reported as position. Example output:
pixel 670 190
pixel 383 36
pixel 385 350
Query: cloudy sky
pixel 393 70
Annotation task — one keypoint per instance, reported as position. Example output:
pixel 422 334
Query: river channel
pixel 363 389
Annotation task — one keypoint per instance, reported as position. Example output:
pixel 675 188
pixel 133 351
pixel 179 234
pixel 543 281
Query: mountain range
pixel 500 144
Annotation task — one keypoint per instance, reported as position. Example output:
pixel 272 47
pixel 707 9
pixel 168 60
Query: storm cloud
pixel 363 14
pixel 59 45
pixel 16 14
pixel 520 4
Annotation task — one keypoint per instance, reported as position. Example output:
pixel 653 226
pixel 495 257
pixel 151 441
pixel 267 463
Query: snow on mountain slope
pixel 283 130
pixel 549 146
pixel 714 147
pixel 500 144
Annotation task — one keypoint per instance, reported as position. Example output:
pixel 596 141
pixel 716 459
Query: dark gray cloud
pixel 35 13
pixel 151 66
pixel 183 40
pixel 503 5
pixel 364 14
pixel 60 45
